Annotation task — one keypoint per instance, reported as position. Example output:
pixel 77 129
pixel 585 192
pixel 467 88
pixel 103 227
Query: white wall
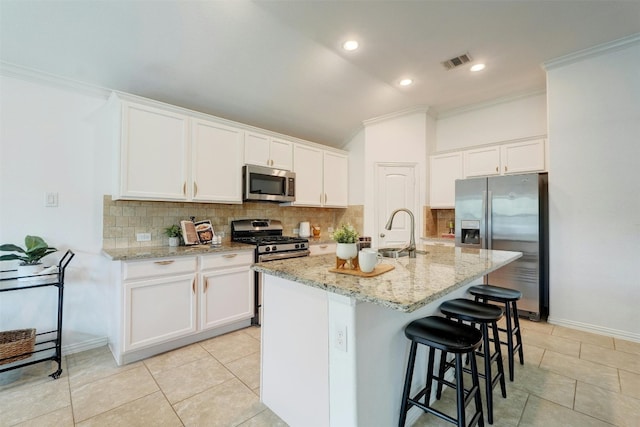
pixel 504 120
pixel 355 147
pixel 594 191
pixel 47 144
pixel 398 140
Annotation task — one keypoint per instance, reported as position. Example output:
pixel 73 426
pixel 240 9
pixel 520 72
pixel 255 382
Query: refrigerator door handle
pixel 489 233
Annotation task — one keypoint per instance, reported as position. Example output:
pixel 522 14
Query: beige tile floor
pixel 570 378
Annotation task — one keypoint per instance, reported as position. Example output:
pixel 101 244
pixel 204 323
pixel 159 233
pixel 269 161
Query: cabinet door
pixel 444 170
pixel 281 154
pixel 256 149
pixel 153 153
pixel 335 180
pixel 482 161
pixel 226 296
pixel 307 164
pixel 159 310
pixel 216 162
pixel 521 157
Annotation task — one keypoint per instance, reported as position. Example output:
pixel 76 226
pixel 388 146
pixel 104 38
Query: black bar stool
pixel 485 315
pixel 507 297
pixel 447 336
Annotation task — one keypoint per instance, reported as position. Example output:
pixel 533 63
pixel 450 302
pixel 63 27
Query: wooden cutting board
pixel 380 268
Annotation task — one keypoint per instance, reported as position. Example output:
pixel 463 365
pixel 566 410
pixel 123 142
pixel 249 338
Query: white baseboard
pixel 600 330
pixel 84 345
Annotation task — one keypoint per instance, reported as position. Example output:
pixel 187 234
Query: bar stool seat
pixel 446 335
pixel 487 316
pixel 507 297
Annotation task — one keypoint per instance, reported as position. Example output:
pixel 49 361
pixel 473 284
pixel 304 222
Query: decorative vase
pixel 29 270
pixel 174 241
pixel 347 250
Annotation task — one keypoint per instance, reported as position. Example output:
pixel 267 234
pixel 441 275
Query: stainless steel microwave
pixel 267 184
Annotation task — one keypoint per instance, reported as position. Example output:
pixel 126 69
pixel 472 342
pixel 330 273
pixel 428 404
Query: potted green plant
pixel 30 256
pixel 173 232
pixel 346 238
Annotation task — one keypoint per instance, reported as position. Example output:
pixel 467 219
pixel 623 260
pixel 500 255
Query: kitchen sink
pixel 393 252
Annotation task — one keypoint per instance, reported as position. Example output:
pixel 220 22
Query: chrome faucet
pixel 412 238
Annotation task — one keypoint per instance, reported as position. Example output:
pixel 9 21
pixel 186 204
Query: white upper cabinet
pixel 216 162
pixel 321 177
pixel 520 157
pixel 482 161
pixel 335 180
pixel 308 168
pixel 263 150
pixel 444 170
pixel 153 146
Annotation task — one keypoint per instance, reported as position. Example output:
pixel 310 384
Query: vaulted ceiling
pixel 279 65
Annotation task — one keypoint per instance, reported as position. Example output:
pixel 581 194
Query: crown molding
pixel 424 109
pixel 37 76
pixel 592 52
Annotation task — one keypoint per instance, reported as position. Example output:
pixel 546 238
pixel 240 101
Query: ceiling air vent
pixel 452 63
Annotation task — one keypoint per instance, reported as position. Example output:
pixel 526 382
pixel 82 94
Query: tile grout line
pixel 163 393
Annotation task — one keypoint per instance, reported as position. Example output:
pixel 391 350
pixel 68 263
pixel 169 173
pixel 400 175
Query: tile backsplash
pixel 123 219
pixel 436 221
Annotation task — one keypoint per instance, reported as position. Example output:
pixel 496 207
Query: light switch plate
pixel 51 200
pixel 143 237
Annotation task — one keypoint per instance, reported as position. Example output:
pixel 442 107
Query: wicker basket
pixel 16 345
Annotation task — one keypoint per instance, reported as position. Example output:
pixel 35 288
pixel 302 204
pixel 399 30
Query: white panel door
pixel 307 164
pixel 227 297
pixel 256 149
pixel 281 154
pixel 396 188
pixel 522 157
pixel 444 170
pixel 216 171
pixel 153 160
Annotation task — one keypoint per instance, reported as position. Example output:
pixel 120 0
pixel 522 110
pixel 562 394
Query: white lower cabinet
pixel 166 303
pixel 159 310
pixel 322 249
pixel 226 284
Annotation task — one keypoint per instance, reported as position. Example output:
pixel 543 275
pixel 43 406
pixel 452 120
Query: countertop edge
pixel 151 252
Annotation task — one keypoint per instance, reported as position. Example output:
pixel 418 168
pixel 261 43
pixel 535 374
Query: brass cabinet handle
pixel 230 255
pixel 184 188
pixel 193 286
pixel 167 262
pixel 497 170
pixel 325 198
pixel 206 286
pixel 195 189
pixel 505 168
pixel 323 246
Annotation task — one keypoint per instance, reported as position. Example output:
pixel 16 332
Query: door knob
pixel 381 234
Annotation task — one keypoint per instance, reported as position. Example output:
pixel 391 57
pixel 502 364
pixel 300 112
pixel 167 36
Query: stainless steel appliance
pixel 270 245
pixel 268 184
pixel 509 213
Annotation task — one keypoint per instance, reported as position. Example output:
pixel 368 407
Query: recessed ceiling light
pixel 477 67
pixel 406 82
pixel 350 45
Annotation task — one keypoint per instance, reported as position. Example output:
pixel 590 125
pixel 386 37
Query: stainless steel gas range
pixel 270 245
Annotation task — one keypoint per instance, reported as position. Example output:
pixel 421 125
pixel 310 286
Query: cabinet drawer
pixel 322 248
pixel 158 267
pixel 227 259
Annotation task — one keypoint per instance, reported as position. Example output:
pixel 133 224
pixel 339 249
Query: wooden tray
pixel 380 268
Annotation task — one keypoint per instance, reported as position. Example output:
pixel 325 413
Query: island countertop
pixel 412 284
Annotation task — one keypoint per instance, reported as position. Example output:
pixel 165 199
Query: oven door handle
pixel 282 255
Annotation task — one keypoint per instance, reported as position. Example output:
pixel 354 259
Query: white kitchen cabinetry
pixel 216 162
pixel 152 146
pixel 263 150
pixel 483 161
pixel 321 177
pixel 159 299
pixel 519 157
pixel 444 170
pixel 226 289
pixel 322 249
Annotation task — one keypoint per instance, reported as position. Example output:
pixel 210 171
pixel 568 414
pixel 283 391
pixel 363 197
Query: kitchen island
pixel 333 345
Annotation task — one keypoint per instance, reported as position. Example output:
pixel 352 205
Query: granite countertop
pixel 412 284
pixel 140 253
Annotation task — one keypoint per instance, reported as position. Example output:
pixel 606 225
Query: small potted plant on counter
pixel 346 238
pixel 174 233
pixel 35 249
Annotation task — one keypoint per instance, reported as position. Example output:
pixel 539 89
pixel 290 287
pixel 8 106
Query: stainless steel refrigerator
pixel 509 213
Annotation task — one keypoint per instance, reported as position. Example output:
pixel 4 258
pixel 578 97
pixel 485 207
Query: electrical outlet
pixel 341 337
pixel 296 231
pixel 330 229
pixel 143 237
pixel 51 200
